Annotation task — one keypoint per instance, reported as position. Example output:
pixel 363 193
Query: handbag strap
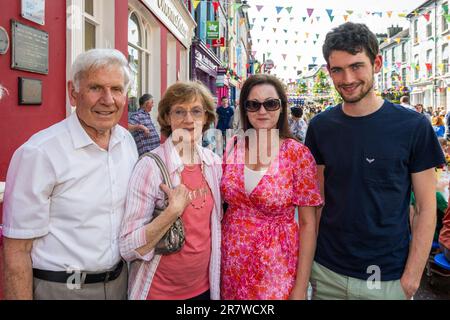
pixel 162 167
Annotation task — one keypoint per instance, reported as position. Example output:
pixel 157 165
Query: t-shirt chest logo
pixel 370 161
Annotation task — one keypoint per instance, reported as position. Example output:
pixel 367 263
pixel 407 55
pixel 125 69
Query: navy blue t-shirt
pixel 225 116
pixel 368 164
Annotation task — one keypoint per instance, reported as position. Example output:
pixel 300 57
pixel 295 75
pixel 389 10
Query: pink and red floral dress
pixel 259 232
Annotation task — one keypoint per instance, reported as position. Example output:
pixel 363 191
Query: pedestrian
pixel 404 102
pixel 265 179
pixel 225 116
pixel 65 192
pixel 142 128
pixel 297 125
pixel 369 153
pixel 185 111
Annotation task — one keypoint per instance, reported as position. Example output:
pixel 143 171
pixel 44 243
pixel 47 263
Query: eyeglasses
pixel 180 114
pixel 269 105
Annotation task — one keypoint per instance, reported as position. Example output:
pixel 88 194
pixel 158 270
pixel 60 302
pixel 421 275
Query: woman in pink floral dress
pixel 265 253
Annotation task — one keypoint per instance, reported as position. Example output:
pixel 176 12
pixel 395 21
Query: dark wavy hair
pixel 352 38
pixel 259 79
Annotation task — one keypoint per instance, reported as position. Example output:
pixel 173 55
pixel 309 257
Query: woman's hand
pixel 178 198
pixel 298 294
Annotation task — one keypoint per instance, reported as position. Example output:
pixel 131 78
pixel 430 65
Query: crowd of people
pixel 94 212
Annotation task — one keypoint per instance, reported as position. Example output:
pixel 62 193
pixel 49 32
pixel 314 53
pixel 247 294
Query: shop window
pixel 90 25
pixel 445 58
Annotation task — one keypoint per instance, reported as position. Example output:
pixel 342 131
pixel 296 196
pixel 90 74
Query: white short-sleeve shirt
pixel 68 194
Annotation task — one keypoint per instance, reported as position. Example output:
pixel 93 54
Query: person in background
pixel 142 128
pixel 297 125
pixel 237 123
pixel 438 124
pixel 184 113
pixel 419 108
pixel 404 102
pixel 225 115
pixel 65 192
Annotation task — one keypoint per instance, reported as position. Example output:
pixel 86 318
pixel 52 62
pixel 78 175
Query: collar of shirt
pixel 176 164
pixel 81 139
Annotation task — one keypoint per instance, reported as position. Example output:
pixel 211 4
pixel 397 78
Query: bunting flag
pixel 278 19
pixel 196 3
pixel 216 5
pixel 329 12
pixel 445 8
pixel 284 55
pixel 331 18
pixel 307 35
pixel 274 29
pixel 288 9
pixel 296 33
pixel 262 28
pixel 427 16
pixel 253 20
pixel 222 49
pixel 259 8
pixel 317 18
pixel 345 17
pixel 350 12
pixel 429 66
pixel 285 30
pixel 285 68
pixel 317 36
pixel 298 58
pixel 241 21
pixel 389 13
pixel 398 40
pixel 314 59
pixel 279 9
pixel 399 64
pixel 291 18
pixel 276 41
pixel 359 15
pixel 304 19
pixel 295 41
pixel 286 41
pixel 310 11
pixel 268 40
pixel 447 17
pixel 380 14
pixel 314 41
pixel 231 21
pixel 265 19
pixel 402 15
pixel 258 40
pixel 268 54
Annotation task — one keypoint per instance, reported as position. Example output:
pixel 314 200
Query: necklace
pixel 192 192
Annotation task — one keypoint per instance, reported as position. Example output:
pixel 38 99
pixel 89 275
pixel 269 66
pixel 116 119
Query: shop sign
pixel 202 59
pixel 218 42
pixel 212 30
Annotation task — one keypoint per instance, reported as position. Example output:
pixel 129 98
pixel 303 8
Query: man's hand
pixel 145 130
pixel 409 286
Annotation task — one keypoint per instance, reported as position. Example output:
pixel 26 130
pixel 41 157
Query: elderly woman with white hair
pixel 65 193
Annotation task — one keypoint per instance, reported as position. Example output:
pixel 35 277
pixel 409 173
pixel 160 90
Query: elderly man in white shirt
pixel 65 192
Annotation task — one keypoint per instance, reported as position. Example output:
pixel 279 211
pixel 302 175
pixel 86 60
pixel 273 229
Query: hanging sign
pixel 212 30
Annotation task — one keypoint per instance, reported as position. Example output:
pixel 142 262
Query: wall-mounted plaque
pixel 34 10
pixel 30 91
pixel 29 48
pixel 4 41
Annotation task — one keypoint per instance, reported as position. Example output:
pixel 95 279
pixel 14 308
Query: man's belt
pixel 63 277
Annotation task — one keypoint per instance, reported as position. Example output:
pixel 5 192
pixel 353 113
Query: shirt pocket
pixel 381 169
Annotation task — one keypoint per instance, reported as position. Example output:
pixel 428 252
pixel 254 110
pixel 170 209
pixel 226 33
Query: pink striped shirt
pixel 143 193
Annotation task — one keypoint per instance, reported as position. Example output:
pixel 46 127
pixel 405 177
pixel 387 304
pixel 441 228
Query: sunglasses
pixel 269 105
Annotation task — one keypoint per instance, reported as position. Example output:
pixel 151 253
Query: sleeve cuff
pixel 23 234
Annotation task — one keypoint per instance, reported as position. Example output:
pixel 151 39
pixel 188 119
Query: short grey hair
pixel 99 58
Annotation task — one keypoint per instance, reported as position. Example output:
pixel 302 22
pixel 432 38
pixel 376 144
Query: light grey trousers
pixel 112 290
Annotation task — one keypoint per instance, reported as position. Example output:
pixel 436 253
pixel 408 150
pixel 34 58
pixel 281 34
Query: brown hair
pixel 182 92
pixel 259 79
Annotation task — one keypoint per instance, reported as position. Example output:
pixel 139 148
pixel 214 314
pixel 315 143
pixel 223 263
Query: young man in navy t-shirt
pixel 370 153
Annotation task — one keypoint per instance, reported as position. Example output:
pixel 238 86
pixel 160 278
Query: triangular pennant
pixel 445 8
pixel 310 11
pixel 279 9
pixel 317 18
pixel 258 40
pixel 298 58
pixel 284 55
pixel 304 19
pixel 306 35
pixel 295 41
pixel 427 16
pixel 402 15
pixel 296 33
pixel 276 41
pixel 253 20
pixel 350 12
pixel 329 12
pixel 288 9
pixel 278 19
pixel 265 19
pixel 231 21
pixel 285 30
pixel 314 59
pixel 345 17
pixel 274 29
pixel 331 18
pixel 389 13
pixel 285 67
pixel 398 40
pixel 268 54
pixel 314 41
pixel 196 3
pixel 317 36
pixel 262 28
pixel 286 41
pixel 259 7
pixel 268 40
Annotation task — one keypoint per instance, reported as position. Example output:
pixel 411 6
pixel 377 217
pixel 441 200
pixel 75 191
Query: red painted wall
pixel 19 123
pixel 163 59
